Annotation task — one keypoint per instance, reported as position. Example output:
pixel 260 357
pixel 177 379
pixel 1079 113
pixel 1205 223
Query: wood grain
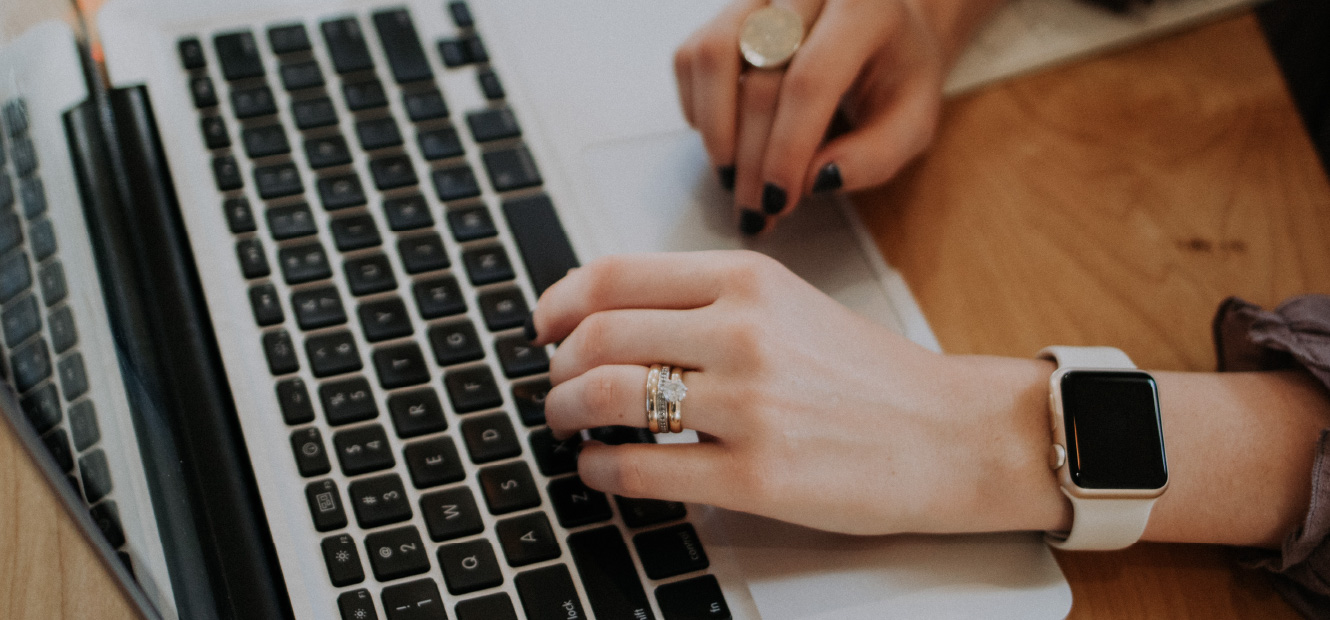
pixel 1118 201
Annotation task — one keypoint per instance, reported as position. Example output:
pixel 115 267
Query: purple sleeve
pixel 1294 335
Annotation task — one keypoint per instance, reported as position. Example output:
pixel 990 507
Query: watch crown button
pixel 1057 456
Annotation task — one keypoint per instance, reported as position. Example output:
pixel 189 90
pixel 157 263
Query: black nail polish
pixel 529 329
pixel 751 222
pixel 773 199
pixel 828 179
pixel 726 174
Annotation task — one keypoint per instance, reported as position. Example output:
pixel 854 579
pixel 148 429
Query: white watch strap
pixel 1100 524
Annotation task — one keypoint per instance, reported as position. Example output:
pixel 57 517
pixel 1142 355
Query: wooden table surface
pixel 1115 201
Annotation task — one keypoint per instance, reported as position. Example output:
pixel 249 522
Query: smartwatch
pixel 1108 446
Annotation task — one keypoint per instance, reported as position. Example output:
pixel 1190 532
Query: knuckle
pixel 593 338
pixel 600 392
pixel 711 54
pixel 801 85
pixel 629 477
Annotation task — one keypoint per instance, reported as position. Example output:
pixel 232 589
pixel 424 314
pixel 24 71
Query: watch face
pixel 1114 440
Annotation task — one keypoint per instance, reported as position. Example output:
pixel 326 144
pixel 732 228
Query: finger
pixel 824 69
pixel 757 107
pixel 616 396
pixel 683 78
pixel 714 67
pixel 690 472
pixel 642 337
pixel 660 280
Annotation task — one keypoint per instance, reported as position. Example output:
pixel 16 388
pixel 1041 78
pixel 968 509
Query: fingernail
pixel 828 179
pixel 751 222
pixel 726 174
pixel 773 199
pixel 530 327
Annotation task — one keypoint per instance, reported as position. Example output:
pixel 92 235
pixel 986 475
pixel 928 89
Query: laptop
pixel 263 270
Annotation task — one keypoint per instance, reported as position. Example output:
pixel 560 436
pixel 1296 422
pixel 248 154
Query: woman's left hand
pixel 806 411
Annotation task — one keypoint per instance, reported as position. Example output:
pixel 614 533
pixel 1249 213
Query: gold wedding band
pixel 770 36
pixel 664 399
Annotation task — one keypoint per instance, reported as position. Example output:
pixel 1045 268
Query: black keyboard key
pixel 487 265
pixel 6 189
pixel 31 364
pixel 461 14
pixel 433 462
pixel 400 366
pixel 619 435
pixel 438 297
pixel 392 172
pixel 318 307
pixel 327 151
pixel 298 75
pixel 304 263
pixel 83 425
pixel 469 566
pixel 107 518
pixel 384 319
pixel 340 192
pixel 293 398
pixel 511 169
pixel 96 475
pixel 253 262
pixel 554 457
pixel 342 558
pixel 455 183
pixel 472 389
pixel 495 606
pixel 226 173
pixel 239 55
pixel 15 277
pixel 548 594
pixel 402 46
pixel 51 279
pixel 396 553
pixel 541 240
pixel 239 217
pixel 32 194
pixel 280 352
pixel 453 52
pixel 527 539
pixel 608 575
pixel 355 232
pixel 471 223
pixel 73 376
pixel 576 504
pixel 699 598
pixel 503 309
pixel 407 213
pixel 21 319
pixel 214 131
pixel 423 253
pixel 252 102
pixel 425 105
pixel 378 133
pixel 509 487
pixel 291 221
pixel 311 455
pixel 363 450
pixel 265 141
pixel 670 551
pixel 379 501
pixel 288 39
pixel 490 84
pixel 365 95
pixel 42 408
pixel 25 155
pixel 441 143
pixel 201 88
pixel 414 600
pixel 346 45
pixel 454 343
pixel 312 113
pixel 332 354
pixel 475 49
pixel 415 413
pixel 357 605
pixel 493 124
pixel 57 443
pixel 11 228
pixel 41 239
pixel 490 438
pixel 61 325
pixel 451 513
pixel 370 274
pixel 348 401
pixel 643 512
pixel 191 53
pixel 278 181
pixel 519 357
pixel 325 505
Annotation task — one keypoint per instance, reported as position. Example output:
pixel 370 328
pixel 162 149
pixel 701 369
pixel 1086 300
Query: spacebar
pixel 541 239
pixel 608 574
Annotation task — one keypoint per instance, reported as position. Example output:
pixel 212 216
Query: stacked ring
pixel 653 382
pixel 664 399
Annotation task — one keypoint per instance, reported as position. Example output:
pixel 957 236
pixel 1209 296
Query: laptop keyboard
pixel 381 268
pixel 41 343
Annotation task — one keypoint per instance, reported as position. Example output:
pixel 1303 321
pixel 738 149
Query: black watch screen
pixel 1114 439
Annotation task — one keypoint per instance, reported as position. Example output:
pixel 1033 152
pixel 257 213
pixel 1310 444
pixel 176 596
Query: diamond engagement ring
pixel 665 393
pixel 770 36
